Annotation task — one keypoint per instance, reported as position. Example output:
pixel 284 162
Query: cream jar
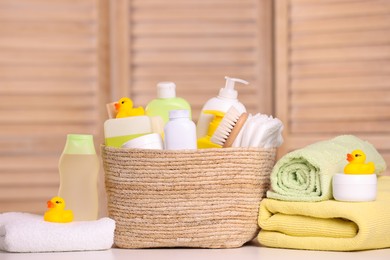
pixel 354 187
pixel 149 141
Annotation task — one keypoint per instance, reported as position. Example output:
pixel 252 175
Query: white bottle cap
pixel 166 90
pixel 228 91
pixel 182 113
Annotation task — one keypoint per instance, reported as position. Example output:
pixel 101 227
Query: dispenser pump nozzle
pixel 228 91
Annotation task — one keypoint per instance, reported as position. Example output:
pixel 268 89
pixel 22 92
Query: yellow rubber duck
pixel 357 164
pixel 124 107
pixel 56 211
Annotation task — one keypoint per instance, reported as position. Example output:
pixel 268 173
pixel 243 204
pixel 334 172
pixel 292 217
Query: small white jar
pixel 354 187
pixel 149 141
pixel 180 131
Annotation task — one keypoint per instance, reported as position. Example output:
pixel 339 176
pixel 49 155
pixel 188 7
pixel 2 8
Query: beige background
pixel 321 66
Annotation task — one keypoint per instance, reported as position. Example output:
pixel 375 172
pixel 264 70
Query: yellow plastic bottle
pixel 79 168
pixel 205 142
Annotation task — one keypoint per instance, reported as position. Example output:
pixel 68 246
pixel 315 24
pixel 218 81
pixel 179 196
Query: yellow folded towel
pixel 327 225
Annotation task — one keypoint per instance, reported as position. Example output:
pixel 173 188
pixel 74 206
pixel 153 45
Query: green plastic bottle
pixel 166 101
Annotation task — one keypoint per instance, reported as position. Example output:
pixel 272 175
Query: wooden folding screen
pixel 333 70
pixel 62 61
pixel 52 82
pixel 194 44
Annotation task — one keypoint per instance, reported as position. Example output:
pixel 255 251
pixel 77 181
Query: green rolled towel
pixel 306 174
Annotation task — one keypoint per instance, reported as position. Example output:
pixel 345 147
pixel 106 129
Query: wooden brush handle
pixel 236 130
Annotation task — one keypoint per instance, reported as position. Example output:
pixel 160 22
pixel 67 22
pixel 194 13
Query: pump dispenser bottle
pixel 226 98
pixel 166 101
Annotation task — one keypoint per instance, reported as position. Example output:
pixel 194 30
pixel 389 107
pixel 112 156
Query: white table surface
pixel 251 251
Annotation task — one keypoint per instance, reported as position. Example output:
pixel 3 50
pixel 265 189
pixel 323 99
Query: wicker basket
pixel 204 198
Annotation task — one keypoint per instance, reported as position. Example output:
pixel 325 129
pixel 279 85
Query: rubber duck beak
pixel 117 106
pixel 349 157
pixel 50 204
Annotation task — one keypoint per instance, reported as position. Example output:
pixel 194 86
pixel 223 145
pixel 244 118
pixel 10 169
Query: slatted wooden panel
pixel 49 87
pixel 195 44
pixel 333 70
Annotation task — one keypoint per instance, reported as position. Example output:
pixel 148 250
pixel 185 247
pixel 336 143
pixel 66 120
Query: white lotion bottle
pixel 226 98
pixel 180 131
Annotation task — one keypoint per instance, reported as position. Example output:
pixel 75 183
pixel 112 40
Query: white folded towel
pixel 261 131
pixel 25 232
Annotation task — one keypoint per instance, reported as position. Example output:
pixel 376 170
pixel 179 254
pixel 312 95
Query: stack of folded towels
pixel 300 212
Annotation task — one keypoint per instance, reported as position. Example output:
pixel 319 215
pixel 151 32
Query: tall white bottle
pixel 79 168
pixel 180 131
pixel 226 98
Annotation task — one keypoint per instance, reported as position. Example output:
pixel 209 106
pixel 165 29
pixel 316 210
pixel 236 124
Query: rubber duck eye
pixel 58 202
pixel 123 102
pixel 357 155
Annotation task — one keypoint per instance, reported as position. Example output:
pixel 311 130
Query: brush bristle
pixel 225 127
